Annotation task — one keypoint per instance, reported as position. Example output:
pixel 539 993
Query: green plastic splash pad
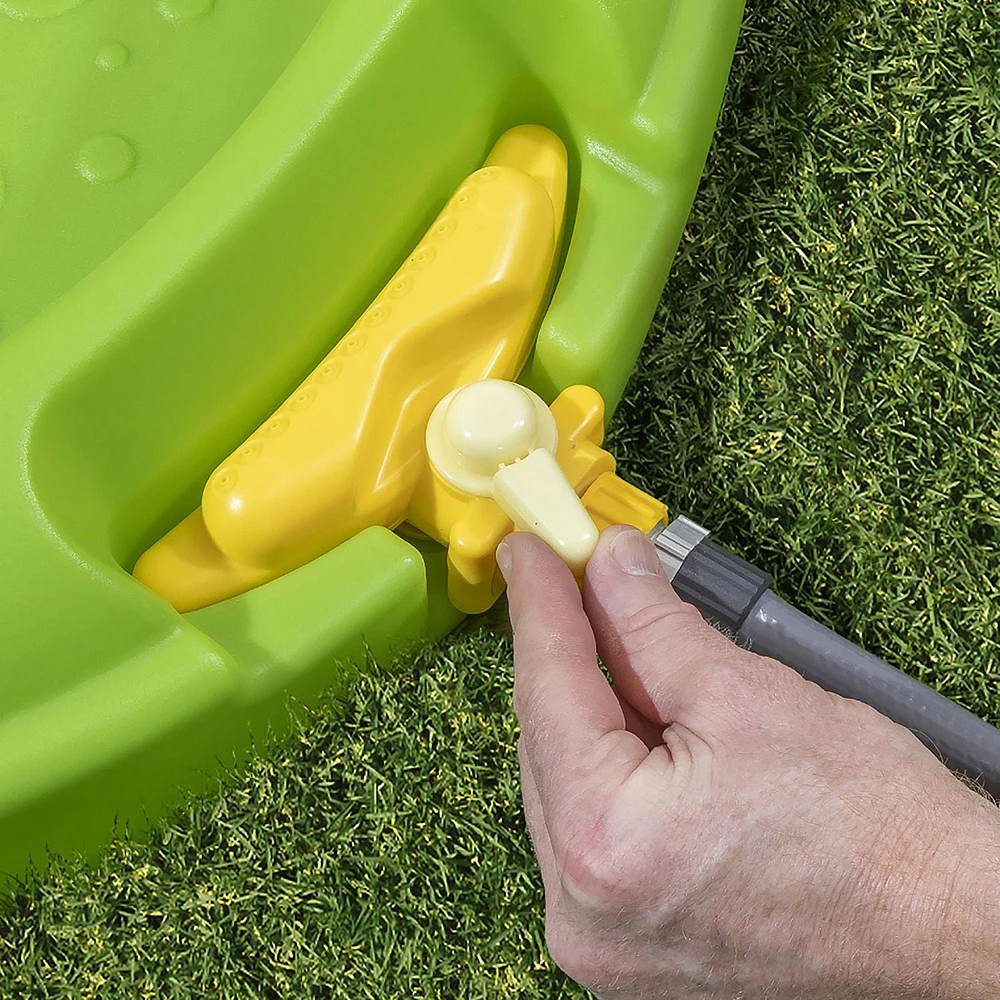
pixel 197 198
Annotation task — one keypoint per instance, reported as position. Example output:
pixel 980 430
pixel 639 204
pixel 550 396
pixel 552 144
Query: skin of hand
pixel 713 825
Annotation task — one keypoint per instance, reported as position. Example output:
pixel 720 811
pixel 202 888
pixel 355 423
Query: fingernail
pixel 634 553
pixel 504 559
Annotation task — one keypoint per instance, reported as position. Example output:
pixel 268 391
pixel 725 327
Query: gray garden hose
pixel 736 596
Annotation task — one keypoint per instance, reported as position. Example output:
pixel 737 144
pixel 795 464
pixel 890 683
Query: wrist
pixel 931 899
pixel 967 905
pixel 939 922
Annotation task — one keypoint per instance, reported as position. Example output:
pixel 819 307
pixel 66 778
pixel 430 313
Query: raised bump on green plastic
pixel 190 188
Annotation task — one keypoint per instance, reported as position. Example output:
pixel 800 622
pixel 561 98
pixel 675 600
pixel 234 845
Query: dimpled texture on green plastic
pixel 197 198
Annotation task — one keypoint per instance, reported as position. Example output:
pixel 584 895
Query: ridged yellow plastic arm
pixel 346 450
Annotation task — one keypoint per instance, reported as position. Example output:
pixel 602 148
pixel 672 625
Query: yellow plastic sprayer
pixel 413 416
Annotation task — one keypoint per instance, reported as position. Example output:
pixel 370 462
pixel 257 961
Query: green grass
pixel 821 387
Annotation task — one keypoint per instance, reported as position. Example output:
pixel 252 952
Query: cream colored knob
pixel 491 423
pixel 497 439
pixel 482 426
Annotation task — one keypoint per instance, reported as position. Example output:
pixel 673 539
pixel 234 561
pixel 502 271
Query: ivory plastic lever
pixel 498 439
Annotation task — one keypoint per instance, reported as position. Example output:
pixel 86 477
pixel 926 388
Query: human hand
pixel 716 826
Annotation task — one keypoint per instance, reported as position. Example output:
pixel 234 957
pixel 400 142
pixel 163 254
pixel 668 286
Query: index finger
pixel 572 725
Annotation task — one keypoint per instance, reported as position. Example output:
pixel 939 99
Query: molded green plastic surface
pixel 197 198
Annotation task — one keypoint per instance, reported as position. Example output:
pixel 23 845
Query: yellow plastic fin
pixel 345 450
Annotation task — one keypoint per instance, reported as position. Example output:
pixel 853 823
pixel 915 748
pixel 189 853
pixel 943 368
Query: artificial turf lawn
pixel 821 387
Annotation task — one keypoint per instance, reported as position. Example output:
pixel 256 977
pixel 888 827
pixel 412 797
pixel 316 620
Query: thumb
pixel 665 659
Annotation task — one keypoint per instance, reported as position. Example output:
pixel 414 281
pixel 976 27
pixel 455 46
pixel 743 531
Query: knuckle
pixel 649 625
pixel 586 868
pixel 595 875
pixel 574 955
